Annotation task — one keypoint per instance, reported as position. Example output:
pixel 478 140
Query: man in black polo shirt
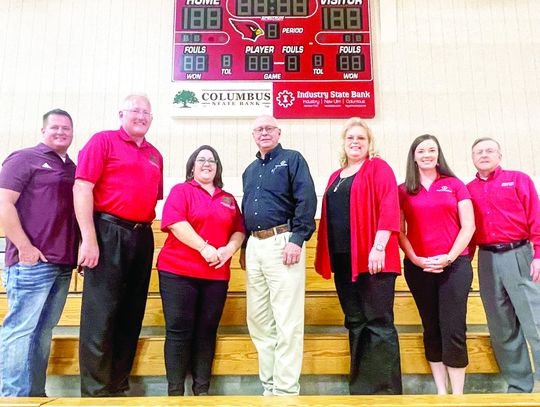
pixel 279 207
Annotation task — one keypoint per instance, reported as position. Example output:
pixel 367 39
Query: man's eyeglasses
pixel 203 161
pixel 268 129
pixel 487 151
pixel 138 112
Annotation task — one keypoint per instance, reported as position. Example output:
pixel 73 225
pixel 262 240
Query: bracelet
pixel 204 246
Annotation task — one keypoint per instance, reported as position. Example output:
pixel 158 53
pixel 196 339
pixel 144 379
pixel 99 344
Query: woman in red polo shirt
pixel 357 242
pixel 437 225
pixel 205 229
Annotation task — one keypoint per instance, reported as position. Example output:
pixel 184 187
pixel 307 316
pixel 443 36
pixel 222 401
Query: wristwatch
pixel 379 247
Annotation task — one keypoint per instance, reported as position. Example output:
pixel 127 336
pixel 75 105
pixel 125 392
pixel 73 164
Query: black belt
pixel 127 224
pixel 503 247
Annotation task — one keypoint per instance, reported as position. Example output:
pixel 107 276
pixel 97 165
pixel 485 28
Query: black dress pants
pixel 441 299
pixel 113 305
pixel 192 308
pixel 368 305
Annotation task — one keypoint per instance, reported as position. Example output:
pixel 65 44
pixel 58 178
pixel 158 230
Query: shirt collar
pixel 126 137
pixel 197 185
pixel 271 154
pixel 495 173
pixel 44 148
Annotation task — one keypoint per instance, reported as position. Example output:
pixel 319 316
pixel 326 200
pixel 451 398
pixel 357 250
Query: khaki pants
pixel 275 312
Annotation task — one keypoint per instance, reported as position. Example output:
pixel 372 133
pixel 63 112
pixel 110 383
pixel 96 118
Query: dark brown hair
pixel 218 181
pixel 58 112
pixel 412 176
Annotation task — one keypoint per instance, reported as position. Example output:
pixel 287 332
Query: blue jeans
pixel 36 297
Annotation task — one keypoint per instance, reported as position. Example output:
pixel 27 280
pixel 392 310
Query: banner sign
pixel 220 99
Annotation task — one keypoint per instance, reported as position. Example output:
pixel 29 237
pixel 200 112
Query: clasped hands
pixel 434 264
pixel 216 257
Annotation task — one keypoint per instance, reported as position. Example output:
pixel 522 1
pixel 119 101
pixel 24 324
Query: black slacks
pixel 192 308
pixel 368 305
pixel 113 305
pixel 441 299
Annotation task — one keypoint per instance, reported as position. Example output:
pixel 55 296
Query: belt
pixel 503 247
pixel 127 224
pixel 276 230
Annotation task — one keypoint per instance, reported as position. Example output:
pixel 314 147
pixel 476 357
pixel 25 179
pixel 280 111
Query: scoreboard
pixel 279 41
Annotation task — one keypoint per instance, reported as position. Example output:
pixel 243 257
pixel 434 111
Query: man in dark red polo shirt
pixel 118 182
pixel 36 212
pixel 507 214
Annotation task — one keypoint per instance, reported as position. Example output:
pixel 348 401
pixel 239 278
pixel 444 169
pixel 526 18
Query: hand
pixel 420 261
pixel 88 254
pixel 210 254
pixel 376 261
pixel 242 258
pixel 436 264
pixel 535 270
pixel 224 253
pixel 291 254
pixel 30 255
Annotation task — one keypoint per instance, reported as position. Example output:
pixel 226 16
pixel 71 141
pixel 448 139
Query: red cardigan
pixel 374 206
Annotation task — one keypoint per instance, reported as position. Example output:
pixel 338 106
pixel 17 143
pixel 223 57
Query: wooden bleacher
pixel 324 353
pixel 468 400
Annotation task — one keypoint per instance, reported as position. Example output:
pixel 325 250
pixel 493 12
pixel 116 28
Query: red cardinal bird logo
pixel 248 29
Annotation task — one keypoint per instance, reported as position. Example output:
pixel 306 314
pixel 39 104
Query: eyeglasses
pixel 202 161
pixel 487 151
pixel 268 129
pixel 138 112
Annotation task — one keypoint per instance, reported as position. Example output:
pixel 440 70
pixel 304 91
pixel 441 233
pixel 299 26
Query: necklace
pixel 341 181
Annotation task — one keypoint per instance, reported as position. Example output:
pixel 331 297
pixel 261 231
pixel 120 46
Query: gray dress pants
pixel 512 304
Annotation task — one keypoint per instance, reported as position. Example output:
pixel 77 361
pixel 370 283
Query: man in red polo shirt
pixel 119 179
pixel 507 214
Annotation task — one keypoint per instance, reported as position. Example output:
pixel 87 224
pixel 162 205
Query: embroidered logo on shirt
pixel 46 165
pixel 283 163
pixel 444 188
pixel 153 160
pixel 507 184
pixel 228 202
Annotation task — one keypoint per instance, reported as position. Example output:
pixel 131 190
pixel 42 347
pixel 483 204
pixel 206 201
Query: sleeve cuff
pixel 296 239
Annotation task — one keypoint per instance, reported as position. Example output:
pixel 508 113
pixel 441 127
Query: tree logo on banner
pixel 185 97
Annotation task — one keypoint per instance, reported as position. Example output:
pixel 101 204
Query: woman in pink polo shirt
pixel 205 229
pixel 357 242
pixel 437 223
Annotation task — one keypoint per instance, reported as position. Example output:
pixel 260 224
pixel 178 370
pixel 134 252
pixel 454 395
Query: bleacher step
pixel 320 309
pixel 236 355
pixel 424 400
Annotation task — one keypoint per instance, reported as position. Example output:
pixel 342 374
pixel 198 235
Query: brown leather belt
pixel 503 247
pixel 276 230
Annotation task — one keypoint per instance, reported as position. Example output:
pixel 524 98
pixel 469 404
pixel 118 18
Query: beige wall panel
pixel 454 68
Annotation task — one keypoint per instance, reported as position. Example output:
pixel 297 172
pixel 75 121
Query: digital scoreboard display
pixel 276 40
pixel 279 41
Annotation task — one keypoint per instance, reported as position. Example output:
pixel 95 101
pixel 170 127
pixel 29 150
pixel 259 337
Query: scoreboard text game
pixel 315 53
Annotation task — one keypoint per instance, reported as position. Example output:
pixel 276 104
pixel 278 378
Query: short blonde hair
pixel 132 96
pixel 349 124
